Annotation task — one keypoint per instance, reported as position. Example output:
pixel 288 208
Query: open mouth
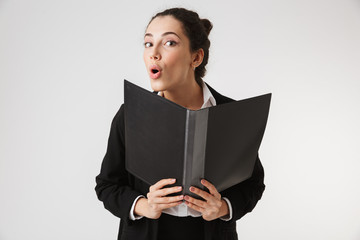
pixel 155 72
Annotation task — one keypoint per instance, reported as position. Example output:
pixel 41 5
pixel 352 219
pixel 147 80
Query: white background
pixel 62 65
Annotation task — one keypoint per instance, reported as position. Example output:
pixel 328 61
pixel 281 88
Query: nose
pixel 155 55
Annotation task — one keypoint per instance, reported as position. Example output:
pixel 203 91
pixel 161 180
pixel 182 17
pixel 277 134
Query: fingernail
pixel 181 197
pixel 179 188
pixel 173 180
pixel 192 189
pixel 203 181
pixel 186 197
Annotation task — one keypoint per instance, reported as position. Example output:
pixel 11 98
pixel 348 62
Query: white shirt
pixel 183 210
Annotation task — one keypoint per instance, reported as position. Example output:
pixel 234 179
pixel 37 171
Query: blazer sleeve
pixel 112 184
pixel 245 195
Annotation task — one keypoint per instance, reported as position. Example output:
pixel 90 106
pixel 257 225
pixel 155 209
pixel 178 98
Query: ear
pixel 197 58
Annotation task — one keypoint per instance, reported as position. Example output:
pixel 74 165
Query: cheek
pixel 177 60
pixel 171 59
pixel 145 58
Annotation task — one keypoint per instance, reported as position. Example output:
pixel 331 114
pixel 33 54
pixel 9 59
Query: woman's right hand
pixel 152 206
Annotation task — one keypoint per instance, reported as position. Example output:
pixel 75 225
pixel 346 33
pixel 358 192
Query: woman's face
pixel 167 54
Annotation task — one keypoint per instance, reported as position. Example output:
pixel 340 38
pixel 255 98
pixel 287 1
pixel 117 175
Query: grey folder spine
pixel 195 146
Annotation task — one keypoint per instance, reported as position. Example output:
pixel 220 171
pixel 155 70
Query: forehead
pixel 163 24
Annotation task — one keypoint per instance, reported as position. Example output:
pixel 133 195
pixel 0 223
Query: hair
pixel 197 30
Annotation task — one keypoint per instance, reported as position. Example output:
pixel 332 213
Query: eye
pixel 147 44
pixel 170 43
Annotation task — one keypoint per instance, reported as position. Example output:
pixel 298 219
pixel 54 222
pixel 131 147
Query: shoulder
pixel 118 121
pixel 119 116
pixel 220 99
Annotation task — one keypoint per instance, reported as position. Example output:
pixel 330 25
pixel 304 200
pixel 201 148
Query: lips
pixel 155 72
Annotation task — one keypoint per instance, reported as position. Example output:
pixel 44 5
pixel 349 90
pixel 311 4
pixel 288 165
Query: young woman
pixel 176 51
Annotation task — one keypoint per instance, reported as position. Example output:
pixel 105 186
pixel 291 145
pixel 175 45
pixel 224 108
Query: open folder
pixel 166 140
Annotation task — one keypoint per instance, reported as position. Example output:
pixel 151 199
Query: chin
pixel 157 85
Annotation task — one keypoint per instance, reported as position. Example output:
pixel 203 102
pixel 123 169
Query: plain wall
pixel 62 65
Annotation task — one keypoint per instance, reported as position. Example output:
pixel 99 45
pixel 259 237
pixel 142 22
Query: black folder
pixel 166 140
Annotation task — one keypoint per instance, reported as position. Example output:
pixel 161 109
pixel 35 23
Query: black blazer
pixel 118 189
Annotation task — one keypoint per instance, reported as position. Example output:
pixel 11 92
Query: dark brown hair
pixel 197 30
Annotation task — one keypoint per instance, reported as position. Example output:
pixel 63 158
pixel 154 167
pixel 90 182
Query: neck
pixel 189 95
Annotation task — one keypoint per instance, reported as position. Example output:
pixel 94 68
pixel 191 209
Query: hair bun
pixel 207 25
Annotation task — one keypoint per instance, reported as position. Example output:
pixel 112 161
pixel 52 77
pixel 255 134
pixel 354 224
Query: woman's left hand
pixel 213 207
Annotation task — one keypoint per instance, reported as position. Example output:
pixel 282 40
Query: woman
pixel 176 53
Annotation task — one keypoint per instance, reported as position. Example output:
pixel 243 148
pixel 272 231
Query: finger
pixel 166 191
pixel 211 188
pixel 195 207
pixel 201 193
pixel 169 205
pixel 166 200
pixel 196 202
pixel 160 184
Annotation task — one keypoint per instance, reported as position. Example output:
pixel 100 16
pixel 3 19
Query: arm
pixel 112 184
pixel 113 187
pixel 245 195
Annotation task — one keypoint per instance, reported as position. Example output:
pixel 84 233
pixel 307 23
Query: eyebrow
pixel 164 34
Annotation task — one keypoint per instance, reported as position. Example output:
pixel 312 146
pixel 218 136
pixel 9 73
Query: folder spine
pixel 187 156
pixel 195 149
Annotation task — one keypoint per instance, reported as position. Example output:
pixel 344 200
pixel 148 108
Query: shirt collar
pixel 209 99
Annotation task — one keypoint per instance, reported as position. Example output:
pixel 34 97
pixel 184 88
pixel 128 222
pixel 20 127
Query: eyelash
pixel 149 44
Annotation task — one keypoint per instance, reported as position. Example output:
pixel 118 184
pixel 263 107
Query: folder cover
pixel 166 140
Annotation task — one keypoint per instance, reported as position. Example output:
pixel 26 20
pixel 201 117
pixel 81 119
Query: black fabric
pixel 118 189
pixel 180 228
